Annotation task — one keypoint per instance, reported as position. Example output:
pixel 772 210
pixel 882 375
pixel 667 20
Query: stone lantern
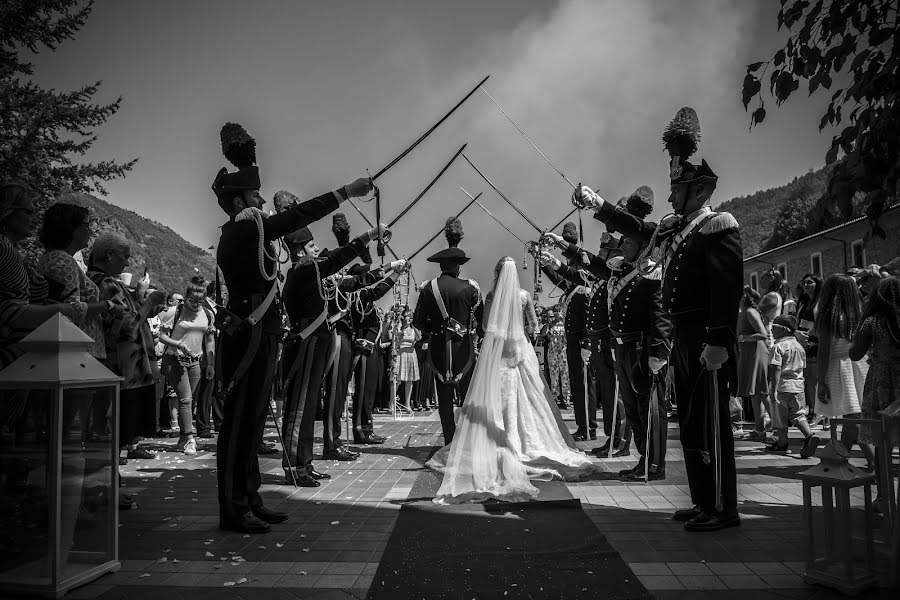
pixel 59 492
pixel 835 568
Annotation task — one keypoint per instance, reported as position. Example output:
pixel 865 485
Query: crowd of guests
pixel 829 350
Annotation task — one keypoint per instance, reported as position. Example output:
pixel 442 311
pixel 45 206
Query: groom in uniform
pixel 447 311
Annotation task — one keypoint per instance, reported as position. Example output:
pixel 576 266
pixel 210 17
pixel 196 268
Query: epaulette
pixel 720 222
pixel 655 274
pixel 475 285
pixel 305 261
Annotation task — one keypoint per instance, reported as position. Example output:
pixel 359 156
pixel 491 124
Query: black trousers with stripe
pixel 643 404
pixel 585 419
pixel 337 384
pixel 368 381
pixel 303 364
pixel 696 420
pixel 244 418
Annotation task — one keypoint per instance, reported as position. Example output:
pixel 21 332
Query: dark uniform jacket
pixel 596 327
pixel 463 303
pixel 703 279
pixel 367 324
pixel 303 295
pixel 339 314
pixel 636 312
pixel 576 309
pixel 238 258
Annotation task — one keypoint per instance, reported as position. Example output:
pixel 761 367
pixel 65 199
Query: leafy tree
pixel 44 131
pixel 855 44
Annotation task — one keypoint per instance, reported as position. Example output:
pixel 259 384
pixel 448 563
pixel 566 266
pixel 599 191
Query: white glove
pixel 375 232
pixel 587 198
pixel 713 357
pixel 548 260
pixel 656 364
pixel 585 354
pixel 399 265
pixel 556 239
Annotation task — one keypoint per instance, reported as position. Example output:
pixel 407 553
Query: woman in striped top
pixel 23 293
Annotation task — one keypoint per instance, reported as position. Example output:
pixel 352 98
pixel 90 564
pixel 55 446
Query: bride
pixel 509 429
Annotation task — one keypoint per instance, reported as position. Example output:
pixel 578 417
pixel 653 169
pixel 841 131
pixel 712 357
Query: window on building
pixel 857 254
pixel 782 268
pixel 815 264
pixel 754 280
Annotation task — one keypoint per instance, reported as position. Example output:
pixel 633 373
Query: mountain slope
pixel 170 259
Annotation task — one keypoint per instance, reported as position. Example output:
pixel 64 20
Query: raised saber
pixel 427 133
pixel 490 214
pixel 615 419
pixel 502 195
pixel 713 375
pixel 432 238
pixel 427 187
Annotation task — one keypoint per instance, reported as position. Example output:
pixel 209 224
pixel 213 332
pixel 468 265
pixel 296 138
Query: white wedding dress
pixel 508 431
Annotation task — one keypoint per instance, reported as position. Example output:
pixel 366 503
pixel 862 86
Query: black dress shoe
pixel 638 468
pixel 686 514
pixel 268 515
pixel 339 454
pixel 658 475
pixel 300 479
pixel 316 475
pixel 207 435
pixel 604 449
pixel 245 523
pixel 123 461
pixel 265 449
pixel 593 434
pixel 713 521
pixel 375 436
pixel 579 435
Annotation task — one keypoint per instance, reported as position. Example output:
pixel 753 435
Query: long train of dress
pixel 509 430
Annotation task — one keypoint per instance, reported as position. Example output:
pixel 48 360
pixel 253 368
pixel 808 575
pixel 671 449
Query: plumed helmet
pixel 226 185
pixel 453 231
pixel 340 227
pixel 299 237
pixel 640 202
pixel 681 139
pixel 237 145
pixel 570 232
pixel 283 199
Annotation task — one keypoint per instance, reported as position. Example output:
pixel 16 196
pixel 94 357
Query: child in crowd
pixel 787 360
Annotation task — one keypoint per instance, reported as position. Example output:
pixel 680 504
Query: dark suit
pixel 701 291
pixel 584 402
pixel 641 330
pixel 463 303
pixel 244 415
pixel 598 339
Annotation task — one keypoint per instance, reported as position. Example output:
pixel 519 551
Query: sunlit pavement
pixel 332 544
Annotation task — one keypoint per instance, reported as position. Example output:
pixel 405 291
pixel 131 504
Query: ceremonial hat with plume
pixel 681 139
pixel 283 200
pixel 340 227
pixel 570 232
pixel 453 231
pixel 240 150
pixel 299 237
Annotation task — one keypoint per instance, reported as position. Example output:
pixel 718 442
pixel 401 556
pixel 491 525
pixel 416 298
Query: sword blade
pixel 428 187
pixel 434 237
pixel 427 133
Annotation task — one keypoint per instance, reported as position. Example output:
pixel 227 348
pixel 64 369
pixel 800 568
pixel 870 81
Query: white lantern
pixel 59 512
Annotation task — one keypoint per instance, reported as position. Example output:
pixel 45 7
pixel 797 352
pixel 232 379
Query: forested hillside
pixel 170 259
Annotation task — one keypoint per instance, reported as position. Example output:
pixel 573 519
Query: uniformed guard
pixel 701 256
pixel 308 346
pixel 584 402
pixel 342 292
pixel 250 325
pixel 447 312
pixel 641 331
pixel 598 339
pixel 366 327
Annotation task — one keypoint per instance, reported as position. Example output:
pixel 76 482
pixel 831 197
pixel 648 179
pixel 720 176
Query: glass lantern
pixel 58 482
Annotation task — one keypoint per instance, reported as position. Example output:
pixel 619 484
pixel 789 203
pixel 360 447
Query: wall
pixel 836 248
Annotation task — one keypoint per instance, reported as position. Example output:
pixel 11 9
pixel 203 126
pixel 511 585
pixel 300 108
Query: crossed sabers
pixel 384 238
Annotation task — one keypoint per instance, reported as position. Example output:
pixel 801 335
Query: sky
pixel 331 89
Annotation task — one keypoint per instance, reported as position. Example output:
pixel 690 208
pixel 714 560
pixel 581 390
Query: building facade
pixel 834 250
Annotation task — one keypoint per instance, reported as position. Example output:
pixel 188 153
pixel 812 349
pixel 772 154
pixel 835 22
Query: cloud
pixel 593 85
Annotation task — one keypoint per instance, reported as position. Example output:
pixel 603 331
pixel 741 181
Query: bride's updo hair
pixel 499 266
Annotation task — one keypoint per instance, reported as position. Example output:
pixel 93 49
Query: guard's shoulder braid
pixel 722 221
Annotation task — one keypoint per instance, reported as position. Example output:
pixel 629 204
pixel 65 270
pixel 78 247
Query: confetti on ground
pixel 169 498
pixel 142 575
pixel 210 554
pixel 337 522
pixel 279 544
pixel 162 560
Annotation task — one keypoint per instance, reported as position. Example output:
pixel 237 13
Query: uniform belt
pixel 689 315
pixel 599 333
pixel 624 338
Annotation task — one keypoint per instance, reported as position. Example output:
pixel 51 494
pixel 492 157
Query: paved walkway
pixel 171 546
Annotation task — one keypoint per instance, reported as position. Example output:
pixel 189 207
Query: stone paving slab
pixel 334 540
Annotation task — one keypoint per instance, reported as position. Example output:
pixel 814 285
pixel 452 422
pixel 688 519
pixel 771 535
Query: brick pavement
pixel 331 546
